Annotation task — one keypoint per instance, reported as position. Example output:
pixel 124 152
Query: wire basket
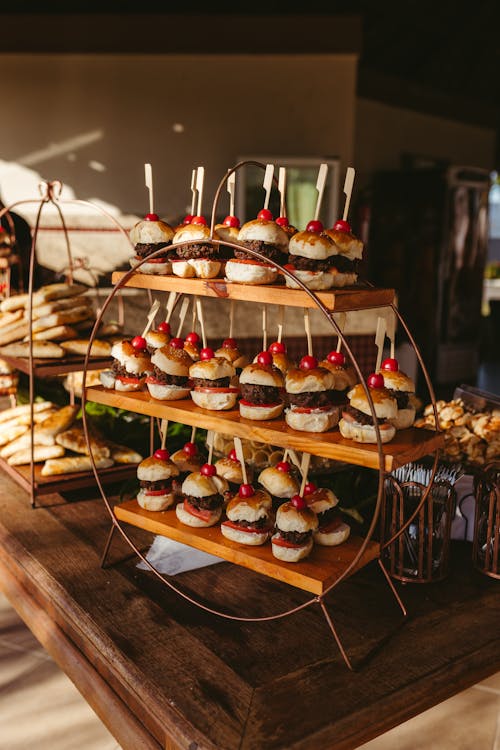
pixel 486 542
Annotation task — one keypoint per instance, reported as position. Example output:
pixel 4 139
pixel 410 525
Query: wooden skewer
pixel 151 316
pixel 164 430
pixel 294 458
pixel 210 443
pixel 194 313
pixel 172 299
pixel 285 454
pixel 231 318
pixel 379 340
pixel 199 309
pixel 148 175
pixel 182 315
pixel 193 434
pixel 348 184
pixel 307 328
pixel 391 333
pixel 304 470
pixel 268 183
pixel 341 325
pixel 282 190
pixel 320 187
pixel 241 458
pixel 231 189
pixel 200 179
pixel 193 191
pixel 264 328
pixel 281 323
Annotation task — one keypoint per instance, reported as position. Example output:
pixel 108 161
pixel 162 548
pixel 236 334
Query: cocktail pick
pixel 307 328
pixel 391 334
pixel 348 185
pixel 193 433
pixel 379 340
pixel 320 187
pixel 199 310
pixel 241 458
pixel 163 431
pixel 231 189
pixel 304 470
pixel 151 316
pixel 172 299
pixel 341 324
pixel 194 313
pixel 231 318
pixel 281 323
pixel 148 177
pixel 193 191
pixel 282 190
pixel 294 458
pixel 182 315
pixel 210 443
pixel 264 328
pixel 200 179
pixel 268 183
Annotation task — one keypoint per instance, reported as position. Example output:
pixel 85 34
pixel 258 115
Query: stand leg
pixel 391 586
pixel 107 546
pixel 335 634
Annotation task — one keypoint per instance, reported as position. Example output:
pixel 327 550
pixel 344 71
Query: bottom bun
pixel 162 267
pixel 183 269
pixel 404 419
pixel 291 554
pixel 342 279
pixel 164 392
pixel 107 378
pixel 205 268
pixel 261 412
pixel 121 386
pixel 155 502
pixel 243 272
pixel 312 279
pixel 365 433
pixel 252 538
pixel 315 421
pixel 189 520
pixel 217 401
pixel 332 538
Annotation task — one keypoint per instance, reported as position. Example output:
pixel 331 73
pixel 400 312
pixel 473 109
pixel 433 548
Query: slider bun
pixel 279 483
pixel 157 339
pixel 256 374
pixel 249 508
pixel 398 381
pixel 227 234
pixel 151 232
pixel 183 269
pixel 311 245
pixel 217 401
pixel 155 502
pixel 252 538
pixel 192 350
pixel 260 413
pixel 280 361
pixel 162 269
pixel 265 231
pixel 212 369
pixel 154 469
pixel 121 386
pixel 167 392
pixel 365 433
pixel 229 470
pixel 189 520
pixel 190 232
pixel 345 377
pixel 305 381
pixel 340 279
pixel 321 499
pixel 186 463
pixel 135 362
pixel 405 418
pixel 172 361
pixel 107 378
pixel 291 554
pixel 232 355
pixel 290 518
pixel 332 538
pixel 346 244
pixel 199 485
pixel 249 273
pixel 315 421
pixel 385 406
pixel 205 268
pixel 316 280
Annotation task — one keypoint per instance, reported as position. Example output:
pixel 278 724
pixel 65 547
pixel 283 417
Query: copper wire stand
pixel 486 542
pixel 329 316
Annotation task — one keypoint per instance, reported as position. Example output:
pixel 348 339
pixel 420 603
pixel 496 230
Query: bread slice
pixel 57 291
pixel 71 464
pixel 6 319
pixel 40 311
pixel 10 432
pixel 74 440
pixel 23 442
pixel 20 411
pixel 80 346
pixel 41 350
pixel 13 332
pixel 40 453
pixel 58 333
pixel 16 302
pixel 59 421
pixel 121 454
pixel 62 317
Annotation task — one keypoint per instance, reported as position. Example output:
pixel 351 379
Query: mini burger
pixel 211 378
pixel 331 529
pixel 282 221
pixel 308 390
pixel 229 350
pixel 357 421
pixel 229 468
pixel 203 498
pixel 249 518
pixel 197 256
pixel 148 236
pixel 261 387
pixel 348 253
pixel 280 482
pixel 345 377
pixel 310 258
pixel 264 236
pixel 131 363
pixel 402 388
pixel 155 475
pixel 295 525
pixel 187 459
pixel 169 380
pixel 158 338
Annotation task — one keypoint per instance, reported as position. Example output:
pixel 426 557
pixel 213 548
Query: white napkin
pixel 172 557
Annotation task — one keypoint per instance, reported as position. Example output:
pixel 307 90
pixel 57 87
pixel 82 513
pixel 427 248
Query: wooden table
pixel 162 674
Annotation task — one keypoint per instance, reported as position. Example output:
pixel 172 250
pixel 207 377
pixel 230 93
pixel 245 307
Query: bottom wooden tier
pixel 315 574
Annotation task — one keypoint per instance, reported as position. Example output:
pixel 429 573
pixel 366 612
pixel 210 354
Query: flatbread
pixel 109 329
pixel 10 432
pixel 40 311
pixel 41 453
pixel 10 317
pixel 57 291
pixel 74 440
pixel 71 464
pixel 121 454
pixel 16 302
pixel 41 350
pixel 23 409
pixel 58 333
pixel 61 318
pixel 80 346
pixel 59 421
pixel 13 332
pixel 23 442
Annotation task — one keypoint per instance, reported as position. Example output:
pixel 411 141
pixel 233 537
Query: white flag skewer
pixel 282 190
pixel 320 187
pixel 231 189
pixel 307 328
pixel 151 316
pixel 241 458
pixel 200 179
pixel 341 324
pixel 231 318
pixel 193 191
pixel 148 177
pixel 182 315
pixel 304 470
pixel 379 340
pixel 210 443
pixel 201 319
pixel 348 184
pixel 164 430
pixel 264 328
pixel 172 299
pixel 268 183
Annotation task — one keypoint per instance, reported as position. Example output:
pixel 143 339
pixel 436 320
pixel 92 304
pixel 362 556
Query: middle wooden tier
pixel 408 445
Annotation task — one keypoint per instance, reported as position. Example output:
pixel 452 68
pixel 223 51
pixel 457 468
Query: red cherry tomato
pixel 310 488
pixel 139 343
pixel 229 344
pixel 231 221
pixel 375 380
pixel 199 220
pixel 282 221
pixel 190 450
pixel 188 219
pixel 246 490
pixel 390 364
pixel 152 217
pixel 298 502
pixel 164 327
pixel 342 226
pixel 161 454
pixel 308 362
pixel 265 215
pixel 336 358
pixel 315 226
pixel 283 466
pixel 177 343
pixel 193 338
pixel 208 470
pixel 265 358
pixel 277 348
pixel 207 353
pixel 232 455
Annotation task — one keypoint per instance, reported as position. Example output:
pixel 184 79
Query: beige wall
pixel 384 132
pixel 228 105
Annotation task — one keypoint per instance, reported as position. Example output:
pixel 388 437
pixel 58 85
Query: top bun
pixel 321 499
pixel 230 470
pixel 184 462
pixel 172 361
pixel 189 232
pixel 154 470
pixel 311 245
pixel 398 381
pixel 151 232
pixel 198 485
pixel 304 381
pixel 279 483
pixel 385 406
pixel 156 339
pixel 249 508
pixel 227 234
pixel 264 231
pixel 345 377
pixel 232 355
pixel 346 243
pixel 212 369
pixel 134 361
pixel 290 518
pixel 256 374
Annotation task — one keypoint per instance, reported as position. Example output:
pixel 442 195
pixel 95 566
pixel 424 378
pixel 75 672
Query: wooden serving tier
pixel 408 445
pixel 52 367
pixel 314 574
pixel 338 300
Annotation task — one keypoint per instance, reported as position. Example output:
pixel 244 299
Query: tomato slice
pixel 285 543
pixel 154 493
pixel 197 512
pixel 203 389
pixel 309 409
pixel 256 406
pixel 128 380
pixel 238 527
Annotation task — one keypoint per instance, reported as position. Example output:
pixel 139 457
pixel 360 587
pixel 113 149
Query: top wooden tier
pixel 338 300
